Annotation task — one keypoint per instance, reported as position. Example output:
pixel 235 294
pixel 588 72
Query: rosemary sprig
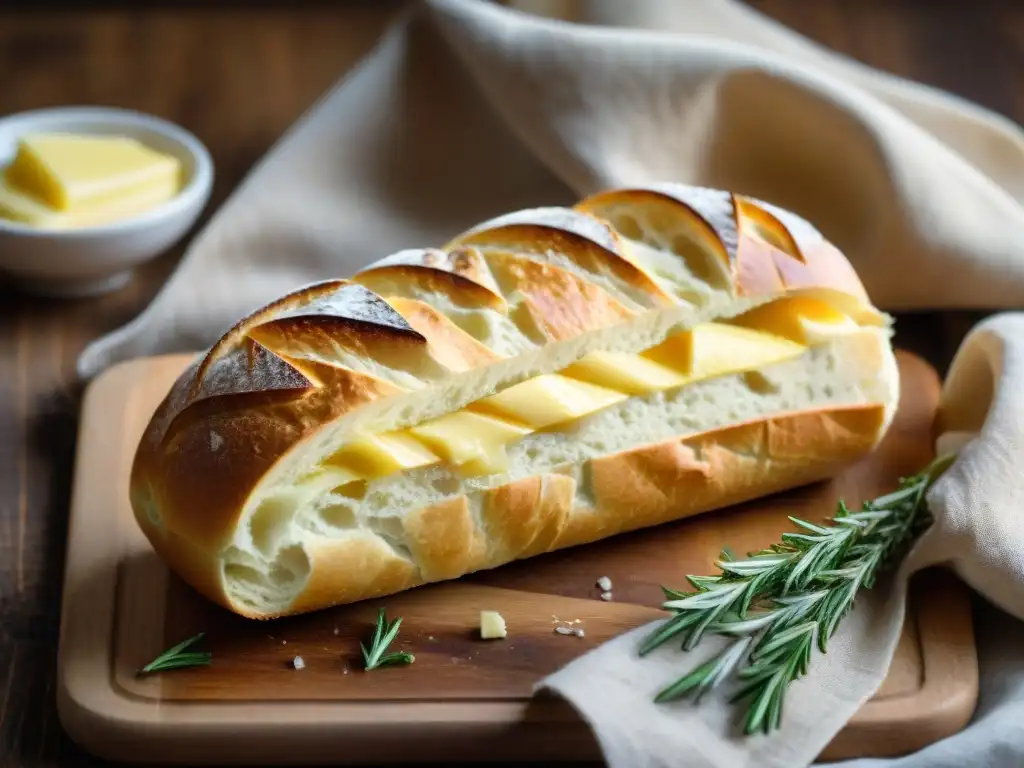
pixel 179 657
pixel 383 635
pixel 783 601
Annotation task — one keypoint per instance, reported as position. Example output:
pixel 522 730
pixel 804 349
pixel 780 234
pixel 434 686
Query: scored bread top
pixel 420 317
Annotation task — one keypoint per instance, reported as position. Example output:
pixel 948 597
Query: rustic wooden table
pixel 237 74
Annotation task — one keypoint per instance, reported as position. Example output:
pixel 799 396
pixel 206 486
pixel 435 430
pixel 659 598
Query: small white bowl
pixel 92 260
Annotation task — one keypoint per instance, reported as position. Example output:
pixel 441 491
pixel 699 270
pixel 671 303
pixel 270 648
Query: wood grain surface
pixel 462 696
pixel 238 73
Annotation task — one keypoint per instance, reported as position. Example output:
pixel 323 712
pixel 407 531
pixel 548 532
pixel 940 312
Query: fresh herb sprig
pixel 783 601
pixel 383 636
pixel 179 657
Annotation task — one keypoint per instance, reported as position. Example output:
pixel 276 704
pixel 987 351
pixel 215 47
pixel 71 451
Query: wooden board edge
pixel 86 704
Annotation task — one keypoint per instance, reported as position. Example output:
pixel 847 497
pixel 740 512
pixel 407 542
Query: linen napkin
pixel 467 109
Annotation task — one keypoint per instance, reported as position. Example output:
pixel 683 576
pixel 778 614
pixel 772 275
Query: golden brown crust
pixel 766 249
pixel 445 540
pixel 199 477
pixel 455 349
pixel 572 234
pixel 651 485
pixel 460 274
pixel 346 571
pixel 512 515
pixel 560 304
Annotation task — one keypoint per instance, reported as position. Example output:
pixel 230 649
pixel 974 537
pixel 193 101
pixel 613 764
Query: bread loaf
pixel 548 378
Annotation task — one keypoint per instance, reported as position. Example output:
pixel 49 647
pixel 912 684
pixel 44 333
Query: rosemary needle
pixel 782 602
pixel 179 657
pixel 383 636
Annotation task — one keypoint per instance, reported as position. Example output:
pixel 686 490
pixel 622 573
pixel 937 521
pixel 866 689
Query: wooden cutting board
pixel 463 696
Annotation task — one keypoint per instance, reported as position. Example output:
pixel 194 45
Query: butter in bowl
pixel 88 194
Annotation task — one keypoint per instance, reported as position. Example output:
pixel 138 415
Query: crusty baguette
pixel 235 480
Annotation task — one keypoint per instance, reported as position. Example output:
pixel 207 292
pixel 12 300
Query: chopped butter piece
pixel 326 478
pixel 67 172
pixel 803 319
pixel 379 455
pixel 549 399
pixel 492 625
pixel 717 349
pixel 17 205
pixel 621 371
pixel 464 436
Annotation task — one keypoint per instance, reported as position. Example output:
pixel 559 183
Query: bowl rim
pixel 193 193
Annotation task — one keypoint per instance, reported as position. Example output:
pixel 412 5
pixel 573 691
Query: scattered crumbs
pixel 578 632
pixel 554 618
pixel 430 637
pixel 298 663
pixel 604 584
pixel 284 642
pixel 337 631
pixel 563 630
pixel 345 671
pixel 606 596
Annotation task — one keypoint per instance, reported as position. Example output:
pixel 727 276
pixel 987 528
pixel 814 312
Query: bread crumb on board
pixel 298 663
pixel 492 625
pixel 563 630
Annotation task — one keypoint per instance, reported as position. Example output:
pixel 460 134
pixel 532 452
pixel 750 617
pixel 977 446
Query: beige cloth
pixel 467 110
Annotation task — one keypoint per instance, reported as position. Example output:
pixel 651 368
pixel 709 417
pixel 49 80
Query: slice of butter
pixel 623 372
pixel 549 399
pixel 464 436
pixel 66 172
pixel 327 478
pixel 15 205
pixel 379 455
pixel 492 625
pixel 716 349
pixel 801 319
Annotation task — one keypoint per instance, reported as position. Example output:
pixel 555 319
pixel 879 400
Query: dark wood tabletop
pixel 237 74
